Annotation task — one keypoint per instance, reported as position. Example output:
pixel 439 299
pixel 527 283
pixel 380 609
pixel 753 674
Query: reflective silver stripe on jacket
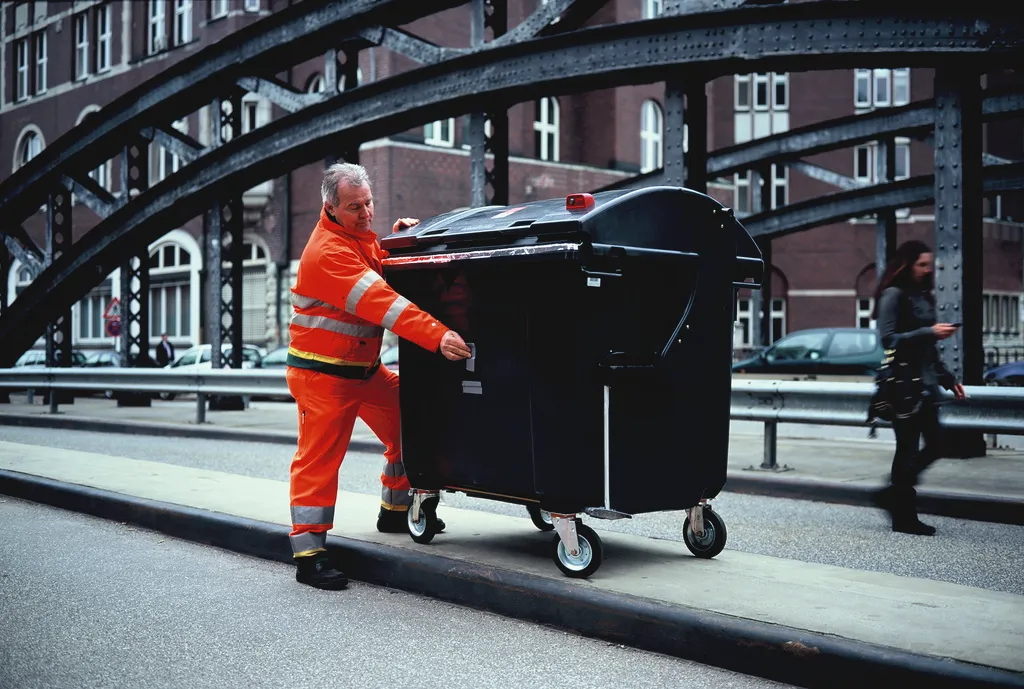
pixel 359 289
pixel 304 542
pixel 312 515
pixel 336 326
pixel 394 311
pixel 301 302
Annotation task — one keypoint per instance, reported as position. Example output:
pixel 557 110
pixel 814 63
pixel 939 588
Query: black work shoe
pixel 394 521
pixel 317 571
pixel 916 527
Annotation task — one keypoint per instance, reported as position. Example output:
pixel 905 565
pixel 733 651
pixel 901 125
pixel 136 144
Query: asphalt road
pixel 971 553
pixel 86 602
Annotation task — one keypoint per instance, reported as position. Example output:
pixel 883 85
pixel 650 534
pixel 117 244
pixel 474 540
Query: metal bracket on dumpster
pixel 605 513
pixel 697 520
pixel 565 526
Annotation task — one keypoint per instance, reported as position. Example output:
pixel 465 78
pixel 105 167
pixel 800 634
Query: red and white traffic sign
pixel 113 309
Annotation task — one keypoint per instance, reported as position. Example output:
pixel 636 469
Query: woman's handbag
pixel 898 392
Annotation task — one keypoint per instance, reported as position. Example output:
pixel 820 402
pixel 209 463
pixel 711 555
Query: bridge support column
pixel 761 300
pixel 134 296
pixel 5 268
pixel 58 332
pixel 886 232
pixel 958 235
pixel 493 14
pixel 224 242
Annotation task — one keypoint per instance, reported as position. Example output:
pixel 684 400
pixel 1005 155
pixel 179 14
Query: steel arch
pixel 862 34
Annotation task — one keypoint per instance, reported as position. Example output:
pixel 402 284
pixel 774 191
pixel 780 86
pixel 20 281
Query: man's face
pixel 355 207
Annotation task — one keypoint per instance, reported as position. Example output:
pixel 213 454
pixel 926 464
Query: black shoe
pixel 317 571
pixel 394 521
pixel 915 527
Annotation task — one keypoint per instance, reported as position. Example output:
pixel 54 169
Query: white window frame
pixel 881 94
pixel 761 79
pixel 778 315
pixel 902 74
pixel 780 181
pixel 182 22
pixel 317 84
pixel 652 129
pixel 156 40
pixel 870 150
pixel 548 127
pixel 864 307
pixel 780 79
pixel 81 29
pixel 741 83
pixel 744 322
pixel 21 73
pixel 252 5
pixel 862 77
pixel 653 8
pixel 103 33
pixel 41 61
pixel 359 79
pixel 1001 314
pixel 181 275
pixel 218 9
pixel 434 133
pixel 30 145
pixel 741 192
pixel 251 118
pixel 162 154
pixel 88 312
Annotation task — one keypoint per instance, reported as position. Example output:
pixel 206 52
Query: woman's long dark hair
pixel 898 272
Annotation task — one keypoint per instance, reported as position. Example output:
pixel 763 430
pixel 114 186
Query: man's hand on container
pixel 403 224
pixel 454 347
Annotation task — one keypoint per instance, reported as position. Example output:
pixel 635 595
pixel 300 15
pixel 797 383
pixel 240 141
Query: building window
pixel 167 162
pixel 1001 314
pixel 31 145
pixel 21 70
pixel 157 27
pixel 170 292
pixel 254 293
pixel 778 319
pixel 218 9
pixel 780 186
pixel 545 129
pixel 865 306
pixel 652 8
pixel 881 88
pixel 89 313
pixel 252 5
pixel 743 333
pixel 359 79
pixel 316 84
pixel 251 113
pixel 761 105
pixel 866 161
pixel 182 22
pixel 102 38
pixel 40 43
pixel 81 66
pixel 651 129
pixel 440 133
pixel 742 193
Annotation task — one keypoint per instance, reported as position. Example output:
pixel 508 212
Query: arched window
pixel 170 291
pixel 316 84
pixel 102 174
pixel 30 145
pixel 359 79
pixel 545 129
pixel 652 125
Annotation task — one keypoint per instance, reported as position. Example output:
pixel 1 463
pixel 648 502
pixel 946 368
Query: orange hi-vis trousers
pixel 328 406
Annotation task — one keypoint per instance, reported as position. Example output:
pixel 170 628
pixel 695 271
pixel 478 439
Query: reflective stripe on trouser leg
pixel 394 493
pixel 308 543
pixel 309 515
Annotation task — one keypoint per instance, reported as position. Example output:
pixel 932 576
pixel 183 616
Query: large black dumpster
pixel 601 327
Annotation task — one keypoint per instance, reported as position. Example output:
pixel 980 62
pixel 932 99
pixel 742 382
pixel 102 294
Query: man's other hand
pixel 454 347
pixel 403 224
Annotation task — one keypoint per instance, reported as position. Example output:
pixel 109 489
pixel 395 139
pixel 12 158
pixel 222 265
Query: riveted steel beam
pixel 96 198
pixel 825 175
pixel 841 206
pixel 279 93
pixel 404 43
pixel 29 256
pixel 783 38
pixel 293 35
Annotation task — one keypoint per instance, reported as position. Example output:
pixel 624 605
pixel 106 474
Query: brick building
pixel 63 61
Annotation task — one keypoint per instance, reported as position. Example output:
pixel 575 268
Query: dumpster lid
pixel 661 218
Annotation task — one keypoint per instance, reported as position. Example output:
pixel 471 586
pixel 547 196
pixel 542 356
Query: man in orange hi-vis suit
pixel 342 306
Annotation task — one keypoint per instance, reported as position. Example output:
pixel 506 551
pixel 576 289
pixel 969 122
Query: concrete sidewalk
pixel 807 624
pixel 843 470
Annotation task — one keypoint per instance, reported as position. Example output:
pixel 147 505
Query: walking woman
pixel 905 312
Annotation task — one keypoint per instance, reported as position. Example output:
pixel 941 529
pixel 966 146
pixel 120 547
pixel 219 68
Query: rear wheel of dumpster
pixel 424 530
pixel 712 541
pixel 589 558
pixel 541 518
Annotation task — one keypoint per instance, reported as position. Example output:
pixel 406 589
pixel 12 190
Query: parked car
pixel 389 358
pixel 1011 374
pixel 276 358
pixel 103 359
pixel 819 352
pixel 37 358
pixel 199 357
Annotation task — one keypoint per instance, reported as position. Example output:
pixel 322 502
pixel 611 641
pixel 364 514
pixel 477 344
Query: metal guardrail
pixel 991 410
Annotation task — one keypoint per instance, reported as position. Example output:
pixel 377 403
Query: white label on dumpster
pixel 593 282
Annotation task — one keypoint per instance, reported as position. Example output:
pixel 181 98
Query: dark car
pixel 819 352
pixel 276 358
pixel 1006 375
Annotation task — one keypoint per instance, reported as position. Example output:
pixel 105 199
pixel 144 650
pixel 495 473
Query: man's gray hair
pixel 350 173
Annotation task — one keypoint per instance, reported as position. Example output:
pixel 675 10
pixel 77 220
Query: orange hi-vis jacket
pixel 342 305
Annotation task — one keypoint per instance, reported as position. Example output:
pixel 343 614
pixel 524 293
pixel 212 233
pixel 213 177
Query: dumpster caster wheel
pixel 541 518
pixel 589 555
pixel 424 529
pixel 709 543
